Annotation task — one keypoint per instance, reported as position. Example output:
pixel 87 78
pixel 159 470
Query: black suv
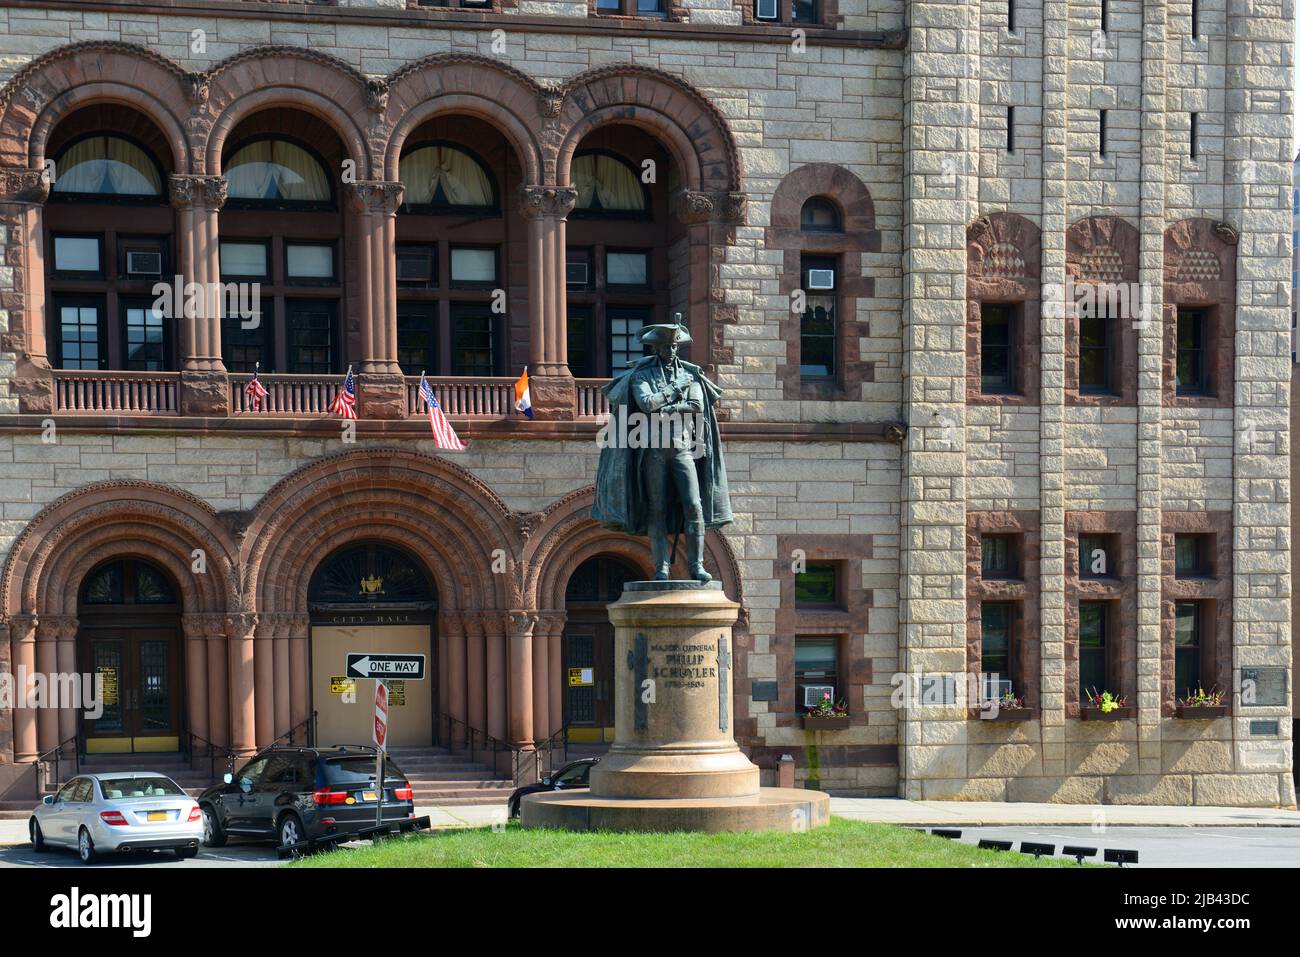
pixel 293 795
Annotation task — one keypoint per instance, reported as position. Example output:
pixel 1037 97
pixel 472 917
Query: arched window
pixel 606 186
pixel 127 582
pixel 443 178
pixel 370 574
pixel 106 166
pixel 278 172
pixel 820 215
pixel 599 579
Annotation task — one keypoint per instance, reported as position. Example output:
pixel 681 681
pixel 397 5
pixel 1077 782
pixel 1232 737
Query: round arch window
pixel 820 215
pixel 445 177
pixel 369 574
pixel 600 579
pixel 106 166
pixel 277 171
pixel 128 582
pixel 606 184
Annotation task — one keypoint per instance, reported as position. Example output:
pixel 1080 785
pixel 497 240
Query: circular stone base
pixel 772 809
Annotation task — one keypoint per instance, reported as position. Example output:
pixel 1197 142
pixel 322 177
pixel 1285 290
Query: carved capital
pixel 734 208
pixel 23 627
pixel 24 185
pixel 520 623
pixel 376 196
pixel 241 626
pixel 206 192
pixel 1226 233
pixel 551 202
pixel 56 628
pixel 376 95
pixel 692 206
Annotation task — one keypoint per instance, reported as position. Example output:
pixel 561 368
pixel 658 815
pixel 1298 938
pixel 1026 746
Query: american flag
pixel 444 436
pixel 255 391
pixel 345 403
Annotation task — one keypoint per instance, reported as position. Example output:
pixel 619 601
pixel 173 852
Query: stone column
pixel 22 644
pixel 204 386
pixel 22 197
pixel 941 140
pixel 196 676
pixel 555 671
pixel 240 630
pixel 1051 449
pixel 280 679
pixel 546 688
pixel 264 679
pixel 496 626
pixel 47 663
pixel 521 677
pixel 67 659
pixel 475 674
pixel 299 676
pixel 545 209
pixel 453 630
pixel 214 628
pixel 382 386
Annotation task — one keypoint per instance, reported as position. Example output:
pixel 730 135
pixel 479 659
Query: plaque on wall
pixel 1263 687
pixel 763 691
pixel 1264 728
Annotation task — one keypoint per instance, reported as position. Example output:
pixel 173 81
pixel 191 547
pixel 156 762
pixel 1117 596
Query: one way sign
pixel 362 665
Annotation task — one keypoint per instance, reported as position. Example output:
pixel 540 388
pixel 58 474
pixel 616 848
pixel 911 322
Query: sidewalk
pixel 994 813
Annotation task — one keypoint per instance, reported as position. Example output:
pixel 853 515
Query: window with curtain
pixel 106 166
pixel 443 177
pixel 607 185
pixel 276 171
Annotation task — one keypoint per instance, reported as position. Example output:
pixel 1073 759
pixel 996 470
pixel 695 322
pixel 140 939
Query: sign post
pixel 380 734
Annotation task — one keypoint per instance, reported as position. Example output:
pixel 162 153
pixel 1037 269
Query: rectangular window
pixel 145 337
pixel 817 586
pixel 818 332
pixel 309 262
pixel 242 348
pixel 625 325
pixel 1092 649
pixel 1191 143
pixel 473 339
pixel 816 671
pixel 81 333
pixel 1094 354
pixel 1191 556
pixel 995 646
pixel 245 260
pixel 1011 16
pixel 417 337
pixel 78 257
pixel 997 349
pixel 627 269
pixel 310 330
pixel 1187 647
pixel 1105 15
pixel 417 265
pixel 998 556
pixel 1098 556
pixel 579 338
pixel 1196 19
pixel 1190 364
pixel 1011 129
pixel 1101 132
pixel 804 11
pixel 472 266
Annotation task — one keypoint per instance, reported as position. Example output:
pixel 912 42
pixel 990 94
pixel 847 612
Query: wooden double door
pixel 589 680
pixel 138 670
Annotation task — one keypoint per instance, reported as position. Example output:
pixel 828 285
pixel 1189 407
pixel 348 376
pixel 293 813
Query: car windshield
pixel 139 786
pixel 358 769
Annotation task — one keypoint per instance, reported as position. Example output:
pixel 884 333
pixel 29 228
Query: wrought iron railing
pixel 307 724
pixel 527 764
pixel 191 753
pixel 56 754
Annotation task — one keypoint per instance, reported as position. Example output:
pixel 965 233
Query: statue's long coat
pixel 620 489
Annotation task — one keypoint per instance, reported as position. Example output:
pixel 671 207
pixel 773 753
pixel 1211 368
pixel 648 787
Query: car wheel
pixel 290 830
pixel 86 847
pixel 187 853
pixel 214 835
pixel 514 809
pixel 38 839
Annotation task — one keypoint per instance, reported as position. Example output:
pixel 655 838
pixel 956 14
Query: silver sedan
pixel 125 812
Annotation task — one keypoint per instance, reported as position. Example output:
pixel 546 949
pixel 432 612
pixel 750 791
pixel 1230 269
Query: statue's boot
pixel 695 553
pixel 659 552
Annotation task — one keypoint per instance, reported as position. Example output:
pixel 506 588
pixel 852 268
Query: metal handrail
pixel 227 753
pixel 308 722
pixel 480 742
pixel 56 752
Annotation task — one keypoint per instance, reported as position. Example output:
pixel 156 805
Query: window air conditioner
pixel 144 263
pixel 821 278
pixel 813 695
pixel 575 274
pixel 766 9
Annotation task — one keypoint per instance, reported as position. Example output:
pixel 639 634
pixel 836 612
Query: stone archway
pixel 44 570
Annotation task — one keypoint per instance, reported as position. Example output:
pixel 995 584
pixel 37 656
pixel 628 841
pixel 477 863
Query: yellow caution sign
pixel 341 684
pixel 581 677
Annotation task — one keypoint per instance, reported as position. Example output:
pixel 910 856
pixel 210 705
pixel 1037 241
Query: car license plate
pixel 157 815
pixel 369 796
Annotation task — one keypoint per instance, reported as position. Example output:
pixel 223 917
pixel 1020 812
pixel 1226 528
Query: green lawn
pixel 843 843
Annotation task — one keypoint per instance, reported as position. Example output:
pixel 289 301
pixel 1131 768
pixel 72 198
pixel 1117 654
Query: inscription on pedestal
pixel 683 666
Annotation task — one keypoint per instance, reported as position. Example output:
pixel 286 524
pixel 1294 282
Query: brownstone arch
pixel 48 563
pixel 478 86
pixel 1103 251
pixel 1004 253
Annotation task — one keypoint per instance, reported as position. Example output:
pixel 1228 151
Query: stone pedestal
pixel 674 764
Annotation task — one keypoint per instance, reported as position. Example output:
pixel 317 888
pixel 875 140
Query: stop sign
pixel 381 714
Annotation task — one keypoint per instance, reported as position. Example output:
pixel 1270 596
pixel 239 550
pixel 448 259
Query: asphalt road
pixel 235 854
pixel 1206 847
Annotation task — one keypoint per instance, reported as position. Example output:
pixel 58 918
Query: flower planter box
pixel 812 722
pixel 1205 712
pixel 1008 714
pixel 1096 714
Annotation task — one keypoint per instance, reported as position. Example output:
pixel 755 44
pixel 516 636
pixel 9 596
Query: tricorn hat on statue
pixel 666 332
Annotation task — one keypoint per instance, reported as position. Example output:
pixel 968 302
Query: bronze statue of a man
pixel 661 469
